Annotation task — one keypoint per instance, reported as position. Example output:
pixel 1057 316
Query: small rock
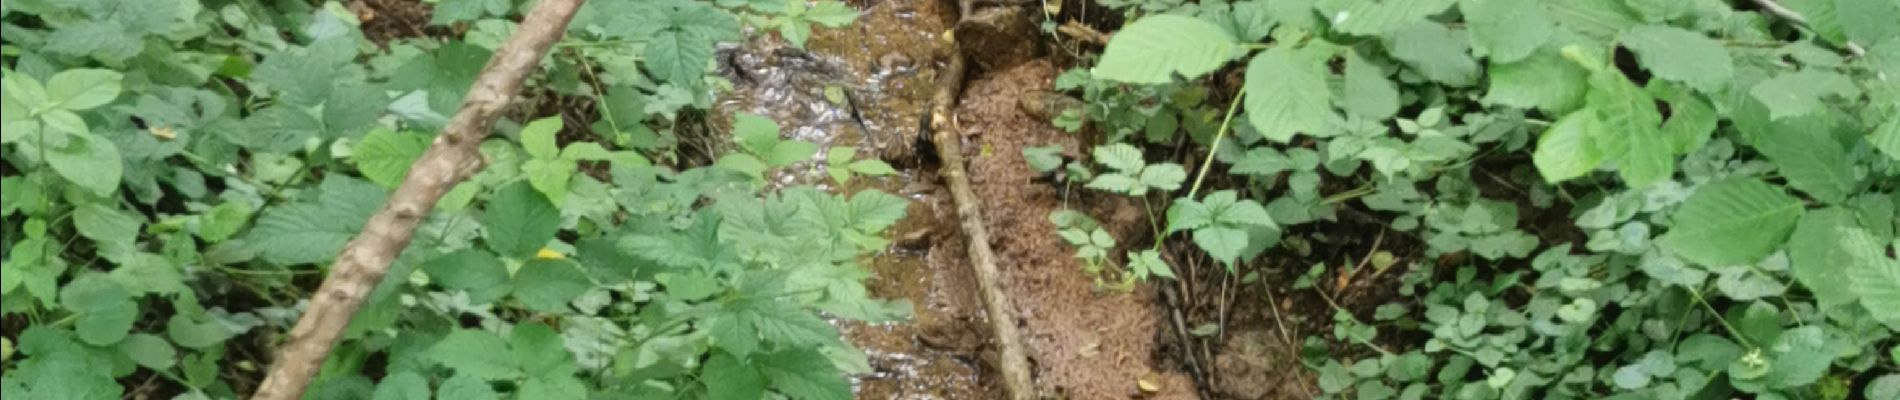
pixel 1046 105
pixel 895 62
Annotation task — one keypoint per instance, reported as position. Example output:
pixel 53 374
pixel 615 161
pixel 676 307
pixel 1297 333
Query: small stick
pixel 453 158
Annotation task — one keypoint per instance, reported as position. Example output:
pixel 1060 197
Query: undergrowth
pixel 1726 176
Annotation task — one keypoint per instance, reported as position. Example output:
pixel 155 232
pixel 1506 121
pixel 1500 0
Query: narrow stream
pixel 867 85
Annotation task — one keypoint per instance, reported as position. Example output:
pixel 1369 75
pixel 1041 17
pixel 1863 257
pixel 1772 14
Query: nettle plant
pixel 177 172
pixel 1731 172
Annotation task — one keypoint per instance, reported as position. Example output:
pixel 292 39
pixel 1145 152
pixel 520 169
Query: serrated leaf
pixel 1187 214
pixel 789 152
pixel 1732 222
pixel 1221 243
pixel 384 156
pixel 479 273
pixel 539 349
pixel 1544 80
pixel 90 162
pixel 804 375
pixel 1875 276
pixel 519 220
pixel 402 386
pixel 1681 55
pixel 1289 95
pixel 475 353
pixel 311 232
pixel 465 386
pixel 1817 258
pixel 1506 30
pixel 149 351
pixel 1868 22
pixel 1812 161
pixel 1165 177
pixel 1633 125
pixel 550 176
pixel 1366 91
pixel 1800 93
pixel 1115 183
pixel 1153 49
pixel 1120 156
pixel 1438 52
pixel 1377 17
pixel 1886 138
pixel 873 211
pixel 1566 150
pixel 727 378
pixel 548 285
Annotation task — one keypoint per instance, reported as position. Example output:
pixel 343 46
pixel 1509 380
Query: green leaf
pixel 548 285
pixel 308 232
pixel 451 11
pixel 1868 22
pixel 83 89
pixel 563 387
pixel 744 164
pixel 1222 243
pixel 872 168
pixel 727 378
pixel 538 137
pixel 1440 53
pixel 1799 93
pixel 1290 95
pixel 1732 222
pixel 678 56
pixel 519 221
pixel 1633 127
pixel 107 226
pixel 479 273
pixel 402 386
pixel 1165 176
pixel 873 211
pixel 150 351
pixel 539 349
pixel 1681 55
pixel 475 353
pixel 1187 214
pixel 804 375
pixel 1817 258
pixel 106 311
pixel 1150 261
pixel 223 221
pixel 831 13
pixel 1812 161
pixel 1506 30
pixel 1875 276
pixel 384 156
pixel 1566 150
pixel 1154 49
pixel 550 176
pixel 790 152
pixel 1366 91
pixel 186 332
pixel 1377 17
pixel 1120 156
pixel 465 386
pixel 1886 138
pixel 1544 80
pixel 90 162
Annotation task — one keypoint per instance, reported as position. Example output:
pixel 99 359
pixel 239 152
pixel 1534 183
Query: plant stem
pixel 1718 317
pixel 1225 123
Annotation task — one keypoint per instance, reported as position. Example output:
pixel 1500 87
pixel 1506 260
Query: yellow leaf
pixel 549 254
pixel 164 133
pixel 1147 385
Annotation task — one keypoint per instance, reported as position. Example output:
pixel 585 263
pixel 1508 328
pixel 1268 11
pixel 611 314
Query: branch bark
pixel 1012 361
pixel 452 158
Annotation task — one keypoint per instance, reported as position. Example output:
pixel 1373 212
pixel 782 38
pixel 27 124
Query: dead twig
pixel 1011 359
pixel 453 158
pixel 1083 33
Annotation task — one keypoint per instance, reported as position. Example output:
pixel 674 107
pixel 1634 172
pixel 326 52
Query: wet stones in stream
pixel 996 38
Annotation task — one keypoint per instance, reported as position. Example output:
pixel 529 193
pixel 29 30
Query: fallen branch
pixel 453 158
pixel 1013 363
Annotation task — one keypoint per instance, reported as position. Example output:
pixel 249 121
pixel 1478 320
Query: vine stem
pixel 1225 123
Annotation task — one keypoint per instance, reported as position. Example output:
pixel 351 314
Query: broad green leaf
pixel 279 128
pixel 107 226
pixel 1812 161
pixel 678 55
pixel 1377 17
pixel 1868 22
pixel 1800 93
pixel 402 386
pixel 872 168
pixel 223 221
pixel 744 164
pixel 83 89
pixel 309 232
pixel 519 221
pixel 538 137
pixel 550 176
pixel 466 386
pixel 539 349
pixel 1165 176
pixel 473 270
pixel 1154 49
pixel 790 152
pixel 727 378
pixel 149 351
pixel 1289 95
pixel 1681 55
pixel 559 387
pixel 475 353
pixel 1544 80
pixel 1222 243
pixel 1817 259
pixel 831 13
pixel 106 311
pixel 1597 19
pixel 1633 125
pixel 194 334
pixel 1886 138
pixel 1150 261
pixel 1732 222
pixel 1366 92
pixel 1565 151
pixel 1875 276
pixel 384 156
pixel 1120 156
pixel 1436 51
pixel 90 162
pixel 548 285
pixel 804 375
pixel 873 211
pixel 1691 119
pixel 451 11
pixel 1506 30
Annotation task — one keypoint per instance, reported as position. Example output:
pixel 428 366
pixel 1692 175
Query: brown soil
pixel 385 21
pixel 1086 343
